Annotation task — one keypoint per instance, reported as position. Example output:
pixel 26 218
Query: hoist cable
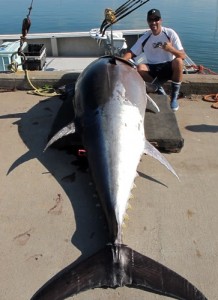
pixel 122 12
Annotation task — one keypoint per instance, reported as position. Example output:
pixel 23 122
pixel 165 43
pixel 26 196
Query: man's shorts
pixel 162 71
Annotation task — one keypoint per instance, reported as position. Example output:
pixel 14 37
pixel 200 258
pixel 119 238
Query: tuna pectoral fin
pixel 150 100
pixel 118 265
pixel 152 151
pixel 69 129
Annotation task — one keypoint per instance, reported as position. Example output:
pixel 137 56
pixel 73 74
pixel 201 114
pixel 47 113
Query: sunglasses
pixel 156 19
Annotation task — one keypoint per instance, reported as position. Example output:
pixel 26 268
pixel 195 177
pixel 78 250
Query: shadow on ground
pixel 69 171
pixel 202 128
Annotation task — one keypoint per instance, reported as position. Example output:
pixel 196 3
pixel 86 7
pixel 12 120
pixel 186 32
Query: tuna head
pixel 110 102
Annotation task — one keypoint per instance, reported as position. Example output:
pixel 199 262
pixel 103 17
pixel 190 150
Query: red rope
pixel 202 70
pixel 211 98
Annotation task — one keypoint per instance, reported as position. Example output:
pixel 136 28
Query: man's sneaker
pixel 174 105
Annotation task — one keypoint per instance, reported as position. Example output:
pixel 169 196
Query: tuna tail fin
pixel 115 266
pixel 152 151
pixel 69 129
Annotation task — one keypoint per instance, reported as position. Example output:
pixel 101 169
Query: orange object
pixel 215 105
pixel 211 98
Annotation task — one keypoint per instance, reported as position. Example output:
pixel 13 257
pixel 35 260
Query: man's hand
pixel 169 47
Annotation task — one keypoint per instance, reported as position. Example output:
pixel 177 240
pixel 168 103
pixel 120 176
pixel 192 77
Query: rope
pixel 13 67
pixel 30 8
pixel 211 98
pixel 25 27
pixel 215 105
pixel 201 69
pixel 44 91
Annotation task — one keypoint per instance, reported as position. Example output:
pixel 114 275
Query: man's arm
pixel 178 53
pixel 128 55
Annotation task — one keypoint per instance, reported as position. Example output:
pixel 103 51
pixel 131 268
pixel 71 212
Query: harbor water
pixel 195 21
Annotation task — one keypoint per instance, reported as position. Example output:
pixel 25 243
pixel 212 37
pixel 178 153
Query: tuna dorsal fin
pixel 152 151
pixel 70 128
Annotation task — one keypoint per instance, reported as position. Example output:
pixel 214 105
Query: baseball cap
pixel 153 13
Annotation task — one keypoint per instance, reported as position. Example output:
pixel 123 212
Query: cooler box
pixel 6 51
pixel 35 56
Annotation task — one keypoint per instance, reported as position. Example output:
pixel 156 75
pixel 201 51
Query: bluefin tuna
pixel 109 109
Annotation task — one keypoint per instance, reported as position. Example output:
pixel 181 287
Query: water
pixel 196 21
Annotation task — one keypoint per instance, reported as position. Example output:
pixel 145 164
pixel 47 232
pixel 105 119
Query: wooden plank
pixel 161 129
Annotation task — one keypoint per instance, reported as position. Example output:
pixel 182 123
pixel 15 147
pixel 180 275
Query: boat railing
pixel 112 42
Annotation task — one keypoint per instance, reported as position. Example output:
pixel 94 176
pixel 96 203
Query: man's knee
pixel 177 68
pixel 143 70
pixel 142 67
pixel 177 64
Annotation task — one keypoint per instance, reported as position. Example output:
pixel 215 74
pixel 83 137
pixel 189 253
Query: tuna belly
pixel 123 127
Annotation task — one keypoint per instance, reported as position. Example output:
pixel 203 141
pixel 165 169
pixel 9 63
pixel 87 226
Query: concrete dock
pixel 64 70
pixel 50 216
